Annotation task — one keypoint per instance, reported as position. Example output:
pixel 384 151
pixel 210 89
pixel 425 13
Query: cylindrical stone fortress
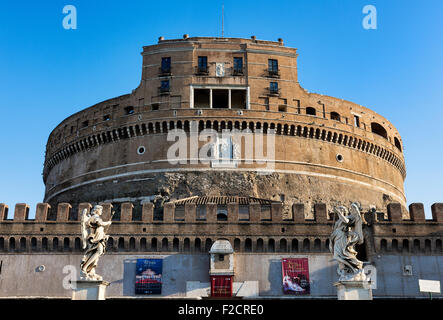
pixel 326 149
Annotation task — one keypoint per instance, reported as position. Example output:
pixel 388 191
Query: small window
pixel 243 212
pixel 201 212
pixel 272 67
pixel 379 129
pixel 335 116
pixel 72 129
pixel 397 143
pixel 238 65
pixel 273 87
pixel 221 257
pixel 166 65
pixel 202 64
pixel 357 121
pixel 164 87
pixel 311 111
pixel 85 124
pixel 155 106
pixel 129 110
pixel 222 213
pixel 106 117
pixel 282 108
pixel 179 213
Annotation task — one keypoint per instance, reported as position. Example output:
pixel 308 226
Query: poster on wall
pixel 295 273
pixel 148 276
pixel 221 286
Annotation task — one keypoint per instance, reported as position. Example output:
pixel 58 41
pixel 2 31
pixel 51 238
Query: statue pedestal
pixel 89 290
pixel 354 290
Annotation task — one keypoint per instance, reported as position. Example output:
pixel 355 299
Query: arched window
pixel 237 244
pixel 397 143
pixel 416 245
pixel 154 244
pixel 198 245
pixel 45 246
pixel 248 245
pixel 2 244
pixel 310 111
pixel 164 244
pixel 405 247
pixel 132 244
pixel 438 245
pixel 379 129
pixel 294 245
pixel 335 116
pixel 383 245
pixel 109 245
pixel 175 244
pixel 121 244
pixel 317 245
pixel 22 244
pixel 222 213
pixel 260 245
pixel 283 245
pixel 208 244
pixel 395 245
pixel 143 246
pixel 186 245
pixel 271 245
pixel 428 246
pixel 55 244
pixel 66 244
pixel 11 244
pixel 33 244
pixel 306 245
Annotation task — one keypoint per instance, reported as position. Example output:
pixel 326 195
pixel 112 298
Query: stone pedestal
pixel 89 290
pixel 354 290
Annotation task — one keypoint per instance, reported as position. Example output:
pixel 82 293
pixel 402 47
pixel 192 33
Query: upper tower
pixel 326 149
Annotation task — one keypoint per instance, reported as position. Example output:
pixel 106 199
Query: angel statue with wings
pixel 94 241
pixel 346 234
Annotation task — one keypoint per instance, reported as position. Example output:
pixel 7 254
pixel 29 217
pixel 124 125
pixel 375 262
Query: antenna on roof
pixel 223 13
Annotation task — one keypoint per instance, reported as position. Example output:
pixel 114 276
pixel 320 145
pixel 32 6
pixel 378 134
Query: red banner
pixel 221 286
pixel 295 273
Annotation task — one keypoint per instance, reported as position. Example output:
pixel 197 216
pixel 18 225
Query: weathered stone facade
pixel 327 152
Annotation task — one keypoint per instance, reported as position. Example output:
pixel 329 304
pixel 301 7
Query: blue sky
pixel 47 73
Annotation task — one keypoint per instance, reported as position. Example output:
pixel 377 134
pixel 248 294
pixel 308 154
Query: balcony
pixel 163 90
pixel 202 70
pixel 238 71
pixel 273 73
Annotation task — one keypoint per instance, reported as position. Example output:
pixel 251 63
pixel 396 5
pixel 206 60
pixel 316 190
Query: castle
pixel 266 205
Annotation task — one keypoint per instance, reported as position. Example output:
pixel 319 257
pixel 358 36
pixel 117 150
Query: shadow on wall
pixel 176 271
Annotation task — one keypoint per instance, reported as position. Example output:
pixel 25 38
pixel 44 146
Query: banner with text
pixel 295 272
pixel 148 277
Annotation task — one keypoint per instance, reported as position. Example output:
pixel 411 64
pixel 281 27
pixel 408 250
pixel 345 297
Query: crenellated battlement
pixel 193 224
pixel 181 211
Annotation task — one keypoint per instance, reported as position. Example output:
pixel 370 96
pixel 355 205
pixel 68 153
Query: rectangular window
pixel 202 64
pixel 273 87
pixel 273 66
pixel 106 117
pixel 179 213
pixel 129 110
pixel 357 121
pixel 201 212
pixel 265 213
pixel 243 212
pixel 238 65
pixel 164 86
pixel 85 124
pixel 166 65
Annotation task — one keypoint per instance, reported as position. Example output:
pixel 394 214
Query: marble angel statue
pixel 94 241
pixel 346 234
